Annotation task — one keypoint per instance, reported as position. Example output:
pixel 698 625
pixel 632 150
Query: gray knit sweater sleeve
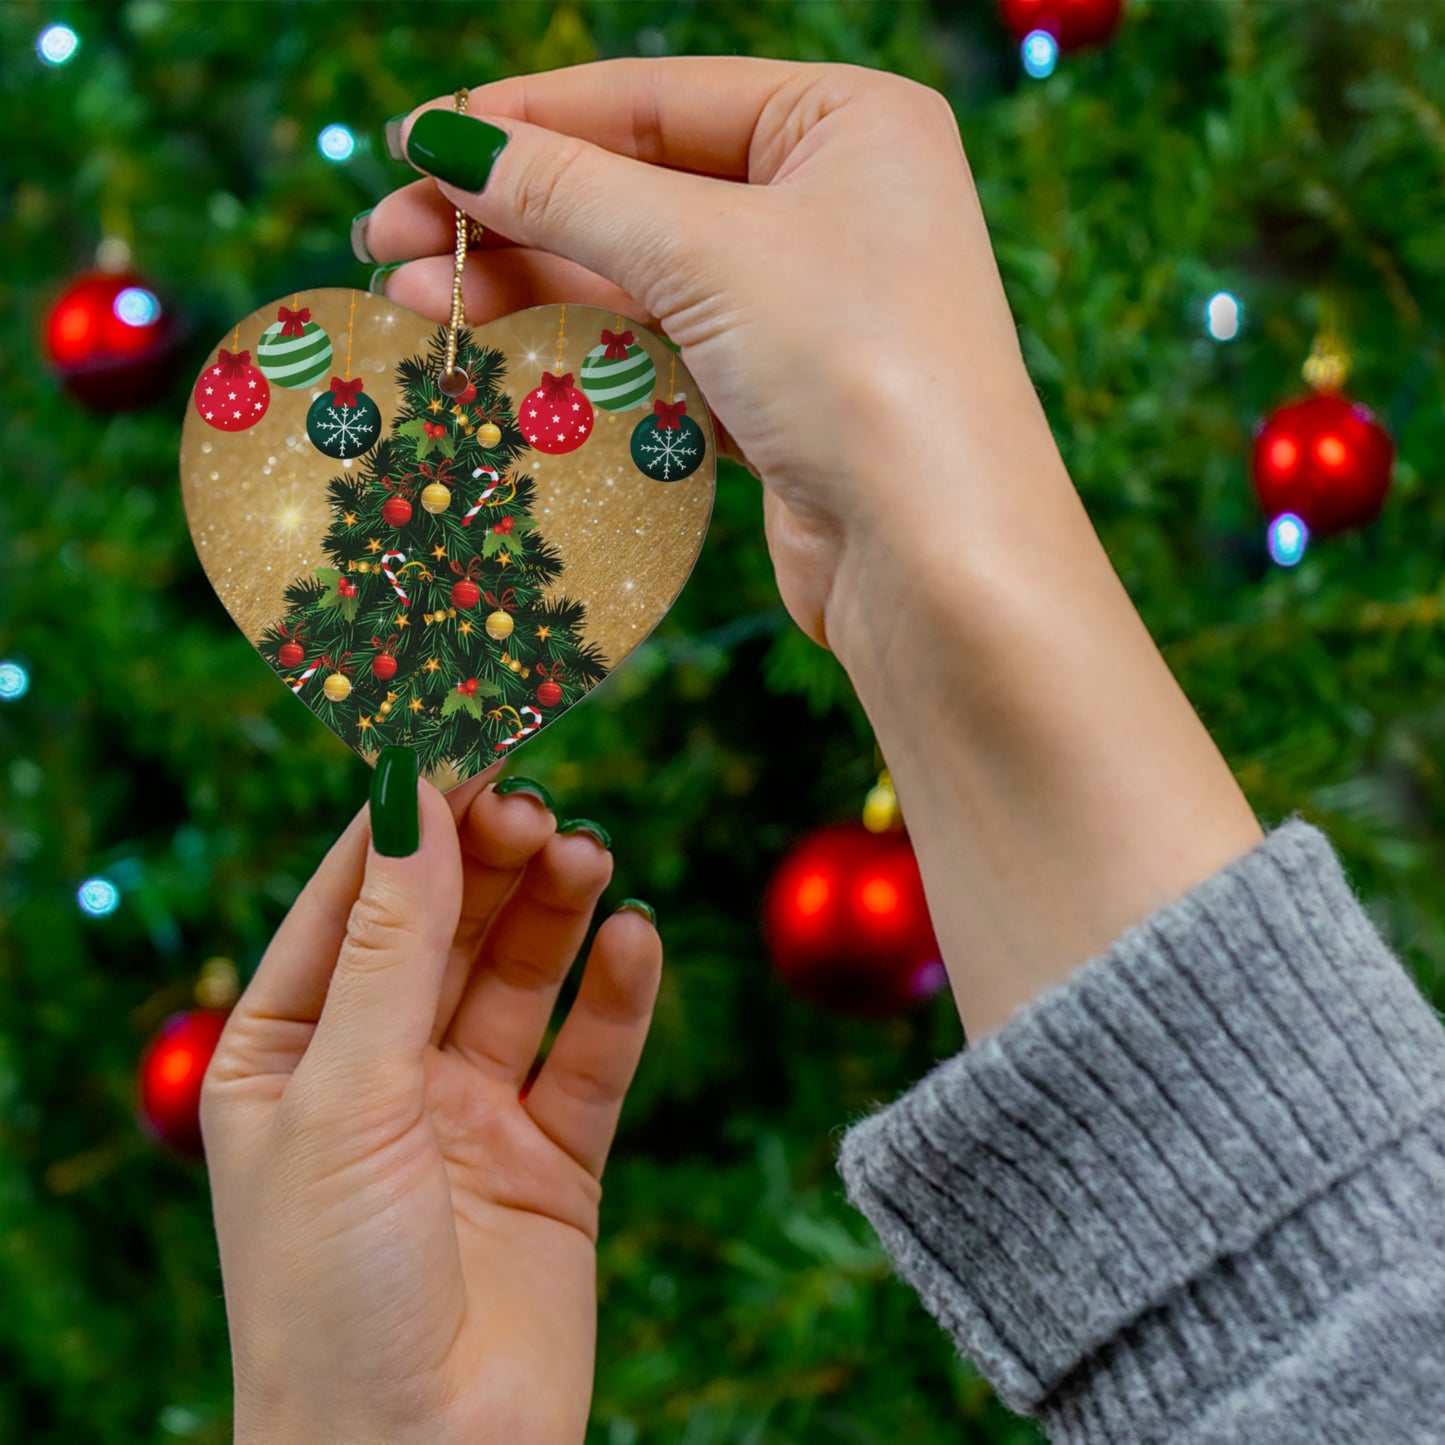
pixel 1196 1192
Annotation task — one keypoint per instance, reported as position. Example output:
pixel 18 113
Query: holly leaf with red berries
pixel 335 595
pixel 459 701
pixel 495 541
pixel 429 436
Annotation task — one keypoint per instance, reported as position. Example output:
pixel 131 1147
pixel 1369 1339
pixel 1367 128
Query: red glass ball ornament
pixel 1326 459
pixel 396 511
pixel 383 667
pixel 111 341
pixel 549 694
pixel 292 654
pixel 1073 23
pixel 465 594
pixel 555 418
pixel 847 923
pixel 171 1071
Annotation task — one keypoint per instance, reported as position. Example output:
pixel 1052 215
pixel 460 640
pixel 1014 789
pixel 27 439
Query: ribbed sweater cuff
pixel 1130 1155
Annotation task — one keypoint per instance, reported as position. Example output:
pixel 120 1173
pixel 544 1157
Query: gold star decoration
pixel 543 633
pixel 373 545
pixel 504 558
pixel 349 518
pixel 465 629
pixel 364 723
pixel 403 620
pixel 439 552
pixel 434 405
pixel 432 665
pixel 415 704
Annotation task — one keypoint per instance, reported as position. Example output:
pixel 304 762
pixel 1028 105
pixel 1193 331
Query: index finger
pixel 698 113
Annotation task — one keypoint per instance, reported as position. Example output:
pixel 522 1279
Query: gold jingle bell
pixel 435 498
pixel 499 625
pixel 337 687
pixel 489 434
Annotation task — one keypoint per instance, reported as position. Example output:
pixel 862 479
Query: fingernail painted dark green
pixel 586 825
pixel 393 136
pixel 377 284
pixel 395 817
pixel 455 148
pixel 636 905
pixel 525 785
pixel 359 248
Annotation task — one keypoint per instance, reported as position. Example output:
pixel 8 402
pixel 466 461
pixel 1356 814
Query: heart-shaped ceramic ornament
pixel 448 573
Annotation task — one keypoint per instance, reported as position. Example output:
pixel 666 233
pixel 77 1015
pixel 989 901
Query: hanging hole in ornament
pixel 453 383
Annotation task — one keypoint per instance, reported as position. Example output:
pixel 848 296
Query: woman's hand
pixel 811 237
pixel 840 307
pixel 407 1247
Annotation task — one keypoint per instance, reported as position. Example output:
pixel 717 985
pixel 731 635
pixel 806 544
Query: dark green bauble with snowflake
pixel 344 422
pixel 668 445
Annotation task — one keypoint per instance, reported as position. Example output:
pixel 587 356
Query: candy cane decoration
pixel 526 731
pixel 391 576
pixel 481 501
pixel 302 680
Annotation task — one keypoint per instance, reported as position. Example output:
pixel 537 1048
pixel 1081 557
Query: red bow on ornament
pixel 558 668
pixel 293 323
pixel 469 687
pixel 389 646
pixel 667 413
pixel 471 572
pixel 555 388
pixel 505 603
pixel 343 393
pixel 296 633
pixel 404 488
pixel 435 429
pixel 339 665
pixel 616 343
pixel 232 363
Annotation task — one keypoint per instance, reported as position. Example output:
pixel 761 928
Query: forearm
pixel 1057 784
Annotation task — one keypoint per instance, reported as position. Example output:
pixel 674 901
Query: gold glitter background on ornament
pixel 256 499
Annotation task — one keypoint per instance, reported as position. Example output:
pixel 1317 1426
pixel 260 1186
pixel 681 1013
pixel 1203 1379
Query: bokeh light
pixel 1288 538
pixel 1223 316
pixel 98 897
pixel 136 306
pixel 57 44
pixel 1040 53
pixel 14 681
pixel 336 143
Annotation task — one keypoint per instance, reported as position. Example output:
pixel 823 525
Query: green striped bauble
pixel 621 383
pixel 293 361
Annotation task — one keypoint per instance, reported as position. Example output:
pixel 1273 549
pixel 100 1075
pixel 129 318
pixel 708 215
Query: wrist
pixel 1057 784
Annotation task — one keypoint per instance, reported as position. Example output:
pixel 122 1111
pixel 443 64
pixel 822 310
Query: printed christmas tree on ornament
pixel 431 629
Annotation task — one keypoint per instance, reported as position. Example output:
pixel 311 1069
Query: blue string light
pixel 136 306
pixel 336 143
pixel 1040 54
pixel 1288 538
pixel 98 897
pixel 1223 316
pixel 57 44
pixel 14 681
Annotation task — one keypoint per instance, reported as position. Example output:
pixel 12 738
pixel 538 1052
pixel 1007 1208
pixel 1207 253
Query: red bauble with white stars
pixel 1326 459
pixel 549 694
pixel 847 923
pixel 396 511
pixel 466 594
pixel 230 393
pixel 291 654
pixel 1073 23
pixel 556 418
pixel 171 1071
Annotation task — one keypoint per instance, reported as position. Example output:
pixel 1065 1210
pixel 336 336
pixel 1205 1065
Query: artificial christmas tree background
pixel 1280 153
